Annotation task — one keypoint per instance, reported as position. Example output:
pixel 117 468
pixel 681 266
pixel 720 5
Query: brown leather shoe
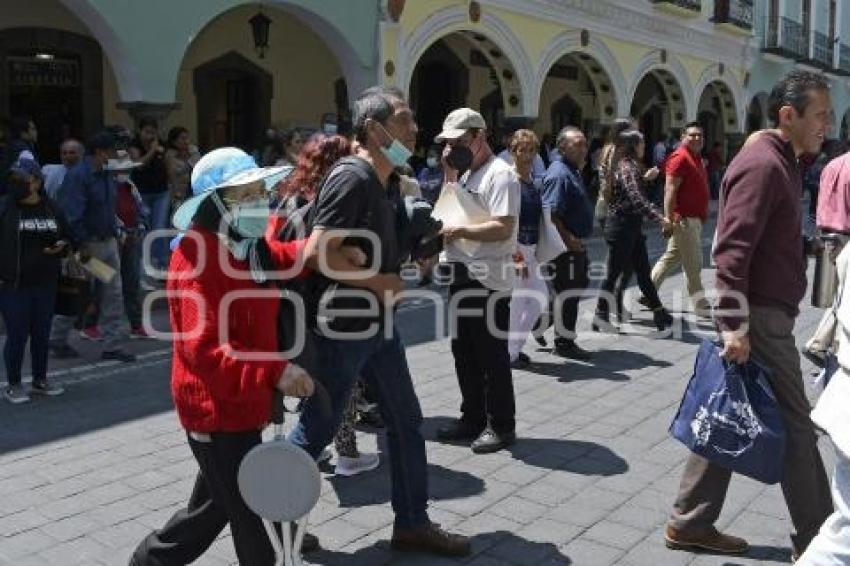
pixel 431 539
pixel 713 541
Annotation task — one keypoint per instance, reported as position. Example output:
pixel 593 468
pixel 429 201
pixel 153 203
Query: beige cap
pixel 458 122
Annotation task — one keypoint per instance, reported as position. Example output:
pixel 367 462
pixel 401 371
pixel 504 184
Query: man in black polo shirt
pixel 359 195
pixel 565 195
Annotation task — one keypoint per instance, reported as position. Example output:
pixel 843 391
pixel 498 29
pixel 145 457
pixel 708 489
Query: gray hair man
pixel 71 152
pixel 565 196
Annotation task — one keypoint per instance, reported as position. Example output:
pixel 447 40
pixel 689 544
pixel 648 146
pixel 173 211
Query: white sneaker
pixel 16 394
pixel 346 466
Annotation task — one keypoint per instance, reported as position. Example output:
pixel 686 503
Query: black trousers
pixel 626 251
pixel 571 274
pixel 481 358
pixel 215 502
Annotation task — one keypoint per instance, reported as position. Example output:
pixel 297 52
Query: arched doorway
pixel 56 77
pixel 658 104
pixel 755 115
pixel 440 70
pixel 565 112
pixel 298 84
pixel 716 113
pixel 590 101
pixel 235 107
pixel 470 70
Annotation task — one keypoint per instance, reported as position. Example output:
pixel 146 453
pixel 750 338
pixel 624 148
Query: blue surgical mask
pixel 250 219
pixel 396 153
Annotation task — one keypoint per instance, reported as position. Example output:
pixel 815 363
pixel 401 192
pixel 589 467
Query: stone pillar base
pixel 157 110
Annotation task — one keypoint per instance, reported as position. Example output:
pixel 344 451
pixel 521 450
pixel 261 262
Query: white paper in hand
pixel 457 207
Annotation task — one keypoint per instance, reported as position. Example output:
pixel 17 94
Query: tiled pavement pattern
pixel 85 476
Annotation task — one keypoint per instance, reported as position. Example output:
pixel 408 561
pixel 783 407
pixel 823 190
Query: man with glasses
pixel 686 196
pixel 481 256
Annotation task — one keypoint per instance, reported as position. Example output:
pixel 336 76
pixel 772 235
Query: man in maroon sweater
pixel 761 273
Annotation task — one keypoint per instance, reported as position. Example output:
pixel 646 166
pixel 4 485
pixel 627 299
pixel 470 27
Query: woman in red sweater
pixel 226 368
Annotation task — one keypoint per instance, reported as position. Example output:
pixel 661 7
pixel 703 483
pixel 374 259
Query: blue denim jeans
pixel 158 205
pixel 383 365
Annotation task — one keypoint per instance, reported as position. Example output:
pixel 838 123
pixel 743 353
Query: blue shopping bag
pixel 730 416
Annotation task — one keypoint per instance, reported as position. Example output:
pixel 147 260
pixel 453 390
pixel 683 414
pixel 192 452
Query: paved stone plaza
pixel 85 476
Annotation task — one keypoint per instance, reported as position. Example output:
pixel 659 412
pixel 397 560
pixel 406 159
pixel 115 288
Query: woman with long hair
pixel 291 143
pixel 627 207
pixel 316 159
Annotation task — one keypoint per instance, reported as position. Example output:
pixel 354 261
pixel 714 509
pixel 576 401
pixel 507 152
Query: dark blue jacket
pixel 564 194
pixel 88 198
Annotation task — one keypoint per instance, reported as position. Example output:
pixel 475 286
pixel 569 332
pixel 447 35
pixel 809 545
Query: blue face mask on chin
pixel 396 153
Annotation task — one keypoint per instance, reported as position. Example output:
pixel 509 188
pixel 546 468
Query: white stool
pixel 281 483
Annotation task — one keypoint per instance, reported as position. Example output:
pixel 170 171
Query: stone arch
pixel 114 47
pixel 512 66
pixel 652 63
pixel 356 72
pixel 730 92
pixel 596 51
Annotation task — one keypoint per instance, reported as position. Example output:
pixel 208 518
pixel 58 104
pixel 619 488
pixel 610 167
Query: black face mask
pixel 460 158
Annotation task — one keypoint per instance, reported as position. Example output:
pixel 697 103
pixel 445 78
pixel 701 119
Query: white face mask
pixel 432 162
pixel 122 177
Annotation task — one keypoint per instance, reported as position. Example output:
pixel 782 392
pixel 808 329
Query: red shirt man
pixel 685 166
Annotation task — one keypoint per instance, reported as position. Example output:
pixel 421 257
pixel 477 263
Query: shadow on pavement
pixel 497 546
pixel 375 487
pixel 576 456
pixel 567 371
pixel 133 392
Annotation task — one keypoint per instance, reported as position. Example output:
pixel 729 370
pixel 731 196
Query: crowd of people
pixel 333 220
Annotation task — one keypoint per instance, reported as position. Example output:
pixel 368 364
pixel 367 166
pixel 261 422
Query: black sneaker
pixel 63 352
pixel 573 351
pixel 43 387
pixel 522 361
pixel 491 441
pixel 458 431
pixel 118 355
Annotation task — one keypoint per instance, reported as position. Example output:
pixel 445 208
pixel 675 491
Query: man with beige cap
pixel 481 260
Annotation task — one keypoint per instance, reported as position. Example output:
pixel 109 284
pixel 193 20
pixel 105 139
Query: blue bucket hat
pixel 224 167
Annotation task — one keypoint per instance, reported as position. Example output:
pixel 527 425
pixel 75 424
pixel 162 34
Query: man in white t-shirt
pixel 481 256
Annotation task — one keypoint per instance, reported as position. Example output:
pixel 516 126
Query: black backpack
pixel 300 217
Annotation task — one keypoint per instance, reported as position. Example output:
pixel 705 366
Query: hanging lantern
pixel 260 30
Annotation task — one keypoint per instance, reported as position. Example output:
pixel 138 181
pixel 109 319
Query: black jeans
pixel 215 502
pixel 571 275
pixel 626 250
pixel 28 313
pixel 481 359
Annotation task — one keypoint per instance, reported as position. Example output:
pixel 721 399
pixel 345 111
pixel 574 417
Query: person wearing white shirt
pixel 481 256
pixel 70 152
